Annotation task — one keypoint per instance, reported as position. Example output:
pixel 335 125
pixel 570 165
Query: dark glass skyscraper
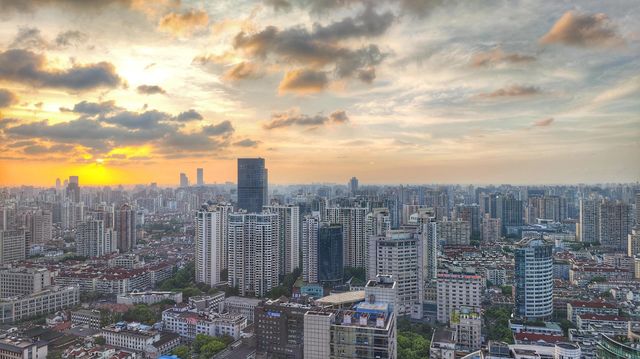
pixel 252 184
pixel 330 265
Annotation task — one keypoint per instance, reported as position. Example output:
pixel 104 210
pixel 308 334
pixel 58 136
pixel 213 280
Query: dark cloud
pixel 246 143
pixel 5 122
pixel 513 91
pixel 150 90
pixel 190 115
pixel 414 8
pixel 92 108
pixel 70 38
pixel 184 23
pixel 222 129
pixel 583 30
pixel 40 149
pixel 546 122
pixel 177 142
pixel 27 67
pixel 367 24
pixel 497 56
pixel 303 81
pixel 242 71
pixel 29 38
pixel 7 98
pixel 279 5
pixel 293 118
pixel 367 75
pixel 134 120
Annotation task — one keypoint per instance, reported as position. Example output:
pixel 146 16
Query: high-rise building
pixel 200 176
pixel 252 184
pixel 378 222
pixel 615 225
pixel 310 228
pixel 534 280
pixel 73 189
pixel 510 210
pixel 58 184
pixel 211 243
pixel 90 239
pixel 430 251
pixel 23 281
pixel 125 227
pixel 634 243
pixel 589 221
pixel 491 228
pixel 354 233
pixel 253 252
pixel 453 233
pixel 353 185
pixel 469 213
pixel 456 290
pixel 184 180
pixel 399 254
pixel 638 209
pixel 12 246
pixel 467 326
pixel 289 228
pixel 39 223
pixel 279 329
pixel 330 251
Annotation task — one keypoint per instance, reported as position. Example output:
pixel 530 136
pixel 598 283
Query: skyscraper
pixel 73 189
pixel 184 180
pixel 125 227
pixel 353 185
pixel 534 280
pixel 211 243
pixel 289 228
pixel 354 233
pixel 330 261
pixel 253 252
pixel 589 221
pixel 39 223
pixel 615 224
pixel 310 227
pixel 509 210
pixel 90 238
pixel 469 213
pixel 12 246
pixel 252 184
pixel 200 177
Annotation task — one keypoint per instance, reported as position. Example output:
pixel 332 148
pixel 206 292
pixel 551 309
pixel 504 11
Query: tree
pixel 182 352
pixel 141 313
pixel 100 340
pixel 412 346
pixel 210 349
pixel 497 323
pixel 507 290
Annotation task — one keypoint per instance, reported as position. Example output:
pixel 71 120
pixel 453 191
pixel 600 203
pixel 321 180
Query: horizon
pixel 128 92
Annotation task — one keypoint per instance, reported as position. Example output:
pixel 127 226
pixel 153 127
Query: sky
pixel 389 91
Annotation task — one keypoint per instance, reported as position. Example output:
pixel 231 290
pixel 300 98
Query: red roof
pixel 591 304
pixel 609 318
pixel 533 337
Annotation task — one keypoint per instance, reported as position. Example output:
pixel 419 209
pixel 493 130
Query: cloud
pixel 513 91
pixel 546 122
pixel 242 71
pixel 40 149
pixel 7 98
pixel 70 38
pixel 29 38
pixel 294 118
pixel 497 56
pixel 92 108
pixel 583 30
pixel 27 67
pixel 184 23
pixel 150 90
pixel 278 5
pixel 134 120
pixel 223 129
pixel 246 143
pixel 190 115
pixel 303 81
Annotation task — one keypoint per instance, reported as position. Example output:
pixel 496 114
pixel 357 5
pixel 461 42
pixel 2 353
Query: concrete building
pixel 200 177
pixel 253 252
pixel 205 303
pixel 188 323
pixel 12 246
pixel 279 329
pixel 399 254
pixel 289 236
pixel 211 243
pixel 125 227
pixel 615 225
pixel 633 241
pixel 491 229
pixel 469 213
pixel 352 219
pixel 39 224
pixel 576 308
pixel 589 221
pixel 453 233
pixel 86 317
pixel 22 281
pixel 148 297
pixel 22 348
pixel 44 302
pixel 467 326
pixel 534 280
pixel 90 238
pixel 241 306
pixel 457 290
pixel 130 336
pixel 330 252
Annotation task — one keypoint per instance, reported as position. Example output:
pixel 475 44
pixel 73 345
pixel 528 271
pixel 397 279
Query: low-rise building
pixel 44 302
pixel 21 348
pixel 241 306
pixel 578 307
pixel 149 297
pixel 130 336
pixel 89 318
pixel 188 323
pixel 205 302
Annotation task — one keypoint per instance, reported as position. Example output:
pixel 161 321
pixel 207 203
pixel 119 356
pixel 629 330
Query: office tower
pixel 279 329
pixel 310 228
pixel 453 233
pixel 184 180
pixel 353 233
pixel 57 184
pixel 456 290
pixel 469 213
pixel 634 243
pixel 200 177
pixel 510 210
pixel 289 235
pixel 534 280
pixel 253 252
pixel 39 223
pixel 73 189
pixel 399 254
pixel 615 225
pixel 12 246
pixel 353 185
pixel 589 221
pixel 330 252
pixel 90 238
pixel 252 184
pixel 125 227
pixel 211 243
pixel 491 229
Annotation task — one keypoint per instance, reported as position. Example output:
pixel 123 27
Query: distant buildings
pixel 534 280
pixel 253 192
pixel 200 177
pixel 353 185
pixel 491 229
pixel 184 180
pixel 615 225
pixel 330 251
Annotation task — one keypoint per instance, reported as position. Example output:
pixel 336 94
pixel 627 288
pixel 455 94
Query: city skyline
pixel 128 92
